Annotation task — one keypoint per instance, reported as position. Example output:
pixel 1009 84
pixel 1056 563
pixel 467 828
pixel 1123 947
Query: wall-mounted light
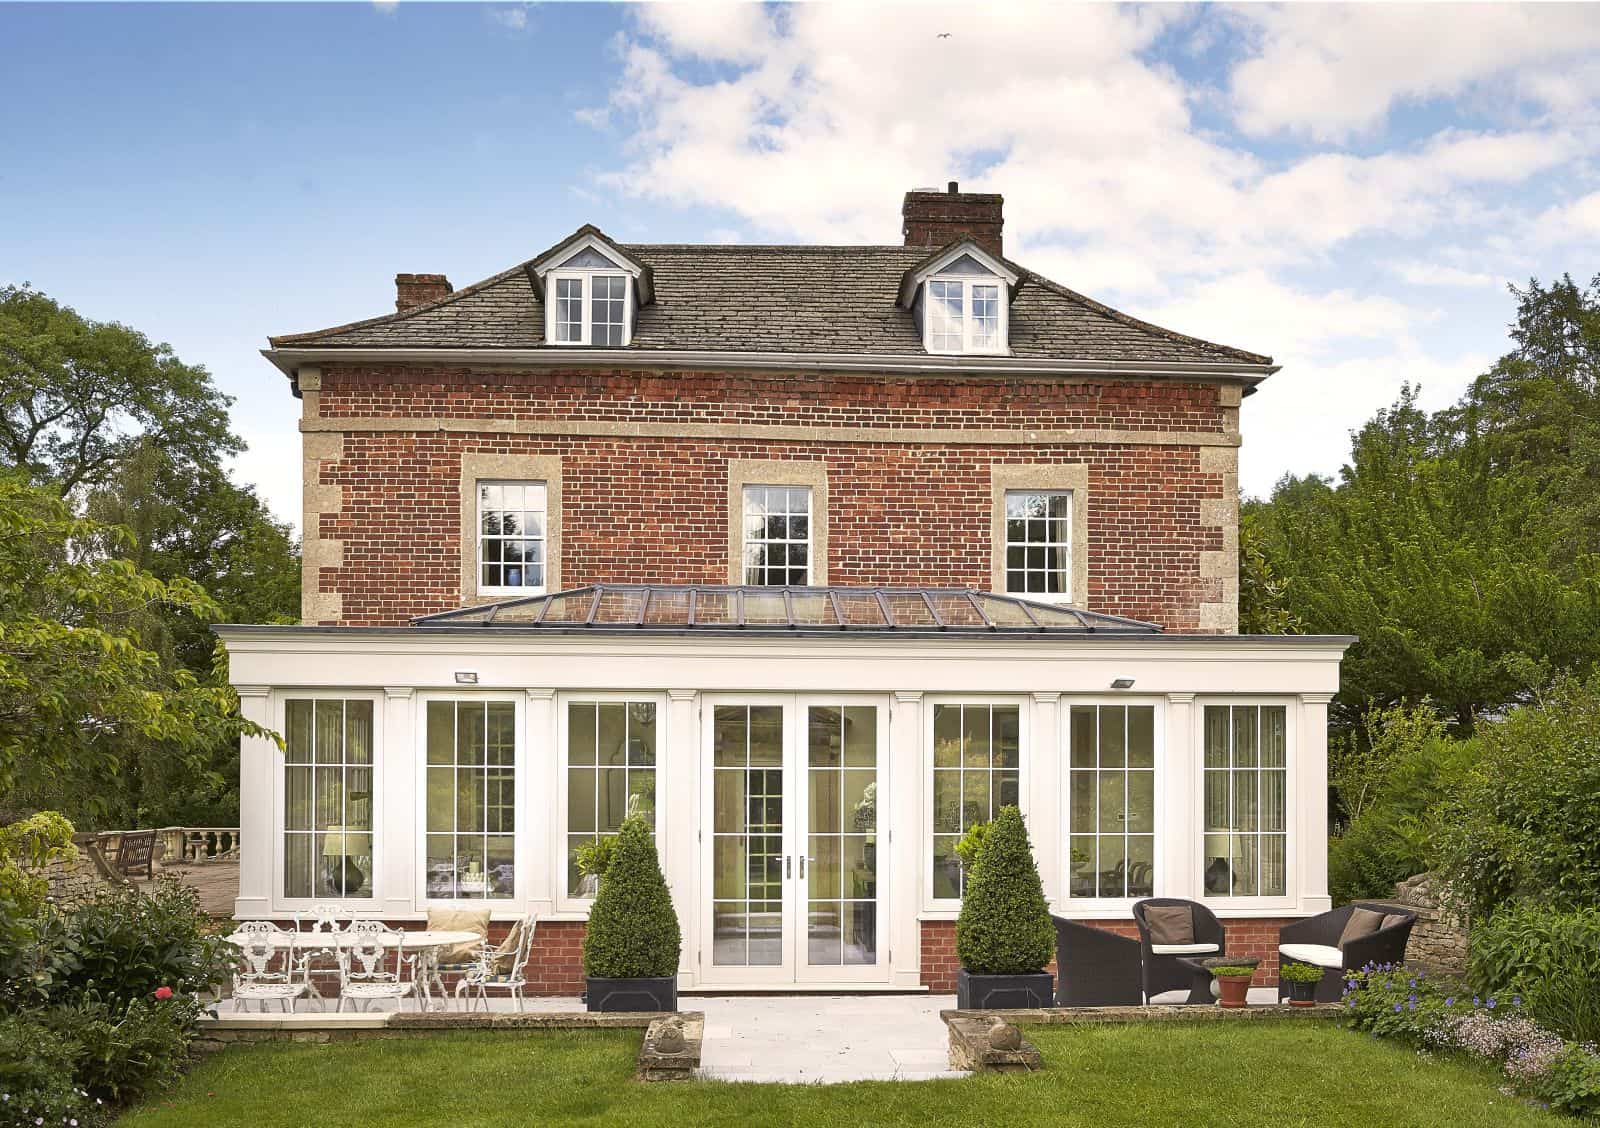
pixel 469 677
pixel 1122 683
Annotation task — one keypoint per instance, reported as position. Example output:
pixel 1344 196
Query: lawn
pixel 1240 1073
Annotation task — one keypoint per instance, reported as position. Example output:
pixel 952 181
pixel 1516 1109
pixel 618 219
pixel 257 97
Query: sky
pixel 1350 189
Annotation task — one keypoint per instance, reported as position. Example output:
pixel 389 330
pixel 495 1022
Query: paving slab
pixel 824 1039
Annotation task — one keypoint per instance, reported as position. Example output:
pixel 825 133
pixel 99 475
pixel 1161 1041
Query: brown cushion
pixel 475 921
pixel 503 958
pixel 1169 924
pixel 1393 918
pixel 1362 922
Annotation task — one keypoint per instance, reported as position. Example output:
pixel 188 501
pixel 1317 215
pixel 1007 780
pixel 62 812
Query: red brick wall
pixel 1251 937
pixel 639 509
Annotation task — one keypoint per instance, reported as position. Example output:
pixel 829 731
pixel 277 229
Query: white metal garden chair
pixel 372 965
pixel 501 968
pixel 316 944
pixel 268 970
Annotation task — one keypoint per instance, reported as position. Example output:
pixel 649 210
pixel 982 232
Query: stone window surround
pixel 475 467
pixel 1070 476
pixel 813 474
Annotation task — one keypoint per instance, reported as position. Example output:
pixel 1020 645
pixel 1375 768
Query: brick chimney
pixel 419 289
pixel 933 218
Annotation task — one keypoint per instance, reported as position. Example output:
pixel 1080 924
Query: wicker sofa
pixel 1315 940
pixel 1095 968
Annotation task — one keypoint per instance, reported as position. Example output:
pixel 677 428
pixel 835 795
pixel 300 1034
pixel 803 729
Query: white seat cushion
pixel 1319 954
pixel 1182 949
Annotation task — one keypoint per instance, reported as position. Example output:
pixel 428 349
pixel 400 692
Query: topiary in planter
pixel 633 931
pixel 1005 926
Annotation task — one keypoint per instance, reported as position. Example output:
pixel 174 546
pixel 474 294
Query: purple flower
pixel 1450 1001
pixel 1477 1002
pixel 1397 1008
pixel 1516 1000
pixel 1491 1002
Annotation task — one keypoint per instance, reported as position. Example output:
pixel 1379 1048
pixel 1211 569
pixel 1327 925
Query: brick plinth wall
pixel 1257 938
pixel 644 508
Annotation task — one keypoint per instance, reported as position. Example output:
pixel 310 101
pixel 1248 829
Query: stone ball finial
pixel 670 1040
pixel 1004 1036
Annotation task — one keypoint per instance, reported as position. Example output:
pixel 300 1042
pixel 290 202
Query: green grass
pixel 1179 1074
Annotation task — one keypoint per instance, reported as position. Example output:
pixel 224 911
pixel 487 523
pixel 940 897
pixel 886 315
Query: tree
pixel 81 689
pixel 633 930
pixel 79 397
pixel 1005 926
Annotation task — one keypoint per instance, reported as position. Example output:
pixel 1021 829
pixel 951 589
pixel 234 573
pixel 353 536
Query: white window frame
pixel 969 343
pixel 480 537
pixel 565 902
pixel 745 540
pixel 519 769
pixel 585 277
pixel 280 796
pixel 1064 596
pixel 946 908
pixel 1116 906
pixel 1233 903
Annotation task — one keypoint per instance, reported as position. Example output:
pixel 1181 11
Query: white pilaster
pixel 1310 837
pixel 395 883
pixel 904 827
pixel 1178 789
pixel 678 825
pixel 259 760
pixel 1041 770
pixel 539 787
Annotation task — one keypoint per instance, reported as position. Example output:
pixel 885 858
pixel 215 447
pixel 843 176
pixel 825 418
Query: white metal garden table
pixel 425 943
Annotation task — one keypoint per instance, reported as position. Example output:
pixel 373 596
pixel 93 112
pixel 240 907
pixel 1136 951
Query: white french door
pixel 794 857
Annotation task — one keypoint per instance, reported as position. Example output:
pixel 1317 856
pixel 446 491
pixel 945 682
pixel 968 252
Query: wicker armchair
pixel 1161 970
pixel 1315 940
pixel 1095 968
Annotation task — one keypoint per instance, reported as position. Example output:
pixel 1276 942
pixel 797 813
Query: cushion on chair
pixel 475 921
pixel 1362 922
pixel 501 959
pixel 1182 949
pixel 1393 918
pixel 1169 924
pixel 1319 954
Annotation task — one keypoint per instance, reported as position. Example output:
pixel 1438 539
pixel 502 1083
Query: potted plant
pixel 1004 936
pixel 630 950
pixel 1234 983
pixel 1302 979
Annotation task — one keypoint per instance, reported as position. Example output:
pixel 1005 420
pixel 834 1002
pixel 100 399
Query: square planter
pixel 1004 992
pixel 651 993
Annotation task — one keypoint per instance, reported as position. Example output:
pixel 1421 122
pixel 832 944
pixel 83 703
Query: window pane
pixel 581 732
pixel 1217 744
pixel 1273 739
pixel 1141 736
pixel 1113 736
pixel 297 732
pixel 1083 738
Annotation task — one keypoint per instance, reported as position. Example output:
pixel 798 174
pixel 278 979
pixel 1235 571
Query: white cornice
pixel 289 360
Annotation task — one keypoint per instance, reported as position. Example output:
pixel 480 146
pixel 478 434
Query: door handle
pixel 788 866
pixel 803 860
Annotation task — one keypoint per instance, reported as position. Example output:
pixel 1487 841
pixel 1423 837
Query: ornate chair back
pixel 372 953
pixel 266 953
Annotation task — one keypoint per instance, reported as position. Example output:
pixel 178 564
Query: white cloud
pixel 1415 273
pixel 514 19
pixel 1579 219
pixel 1330 71
pixel 386 7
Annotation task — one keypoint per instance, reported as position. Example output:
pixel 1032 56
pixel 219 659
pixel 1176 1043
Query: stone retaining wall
pixel 72 881
pixel 1439 940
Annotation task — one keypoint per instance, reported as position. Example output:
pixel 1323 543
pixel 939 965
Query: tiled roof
pixel 799 610
pixel 799 299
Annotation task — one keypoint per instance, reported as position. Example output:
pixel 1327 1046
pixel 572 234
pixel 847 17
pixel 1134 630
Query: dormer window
pixel 589 308
pixel 592 290
pixel 964 315
pixel 961 297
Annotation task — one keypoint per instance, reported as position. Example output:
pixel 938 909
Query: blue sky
pixel 1348 188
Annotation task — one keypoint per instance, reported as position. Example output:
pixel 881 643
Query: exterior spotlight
pixel 470 677
pixel 1122 683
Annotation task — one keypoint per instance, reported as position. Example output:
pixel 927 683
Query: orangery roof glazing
pixel 785 610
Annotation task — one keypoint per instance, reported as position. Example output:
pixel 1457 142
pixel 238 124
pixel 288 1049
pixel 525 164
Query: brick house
pixel 818 555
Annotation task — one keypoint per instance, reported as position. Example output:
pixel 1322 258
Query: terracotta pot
pixel 1235 990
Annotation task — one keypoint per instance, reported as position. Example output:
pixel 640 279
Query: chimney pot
pixel 412 290
pixel 931 218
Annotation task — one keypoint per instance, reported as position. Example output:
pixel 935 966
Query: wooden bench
pixel 136 853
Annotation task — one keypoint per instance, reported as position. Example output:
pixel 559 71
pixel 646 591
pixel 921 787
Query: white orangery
pixel 809 765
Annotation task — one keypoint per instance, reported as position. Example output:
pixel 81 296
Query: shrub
pixel 126 1051
pixel 1233 971
pixel 36 1076
pixel 1005 926
pixel 633 930
pixel 1572 1082
pixel 1394 1002
pixel 1551 958
pixel 1522 825
pixel 1300 973
pixel 124 945
pixel 970 845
